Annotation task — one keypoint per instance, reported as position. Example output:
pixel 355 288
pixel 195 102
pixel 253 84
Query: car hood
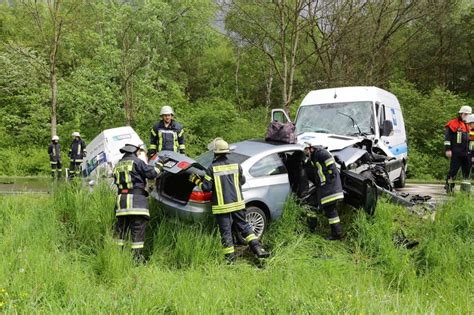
pixel 176 163
pixel 332 141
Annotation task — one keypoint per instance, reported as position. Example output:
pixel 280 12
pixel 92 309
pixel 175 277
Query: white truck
pixel 339 118
pixel 104 151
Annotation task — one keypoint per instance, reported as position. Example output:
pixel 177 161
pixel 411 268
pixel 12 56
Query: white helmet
pixel 219 146
pixel 76 134
pixel 55 138
pixel 470 119
pixel 166 110
pixel 465 110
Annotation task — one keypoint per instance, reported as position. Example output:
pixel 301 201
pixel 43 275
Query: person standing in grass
pixel 131 207
pixel 167 134
pixel 456 144
pixel 470 122
pixel 322 171
pixel 54 151
pixel 77 152
pixel 224 178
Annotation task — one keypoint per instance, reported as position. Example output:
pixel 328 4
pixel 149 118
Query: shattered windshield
pixel 336 118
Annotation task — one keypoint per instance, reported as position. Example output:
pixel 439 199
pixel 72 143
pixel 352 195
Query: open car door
pixel 280 115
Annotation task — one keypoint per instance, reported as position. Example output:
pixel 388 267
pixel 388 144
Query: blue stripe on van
pixel 399 149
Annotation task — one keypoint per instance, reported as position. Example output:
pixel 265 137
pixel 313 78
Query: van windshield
pixel 333 118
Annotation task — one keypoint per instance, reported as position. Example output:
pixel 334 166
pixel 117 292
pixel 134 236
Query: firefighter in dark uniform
pixel 131 207
pixel 224 178
pixel 54 151
pixel 470 122
pixel 77 152
pixel 322 171
pixel 456 144
pixel 167 134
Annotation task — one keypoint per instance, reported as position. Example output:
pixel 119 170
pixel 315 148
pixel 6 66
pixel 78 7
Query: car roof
pixel 256 146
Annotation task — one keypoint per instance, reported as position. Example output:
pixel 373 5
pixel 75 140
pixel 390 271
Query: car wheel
pixel 401 181
pixel 257 220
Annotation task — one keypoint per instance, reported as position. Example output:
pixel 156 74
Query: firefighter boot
pixel 449 186
pixel 258 250
pixel 138 257
pixel 466 186
pixel 336 232
pixel 230 258
pixel 312 221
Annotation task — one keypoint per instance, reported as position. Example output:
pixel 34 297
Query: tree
pixel 48 20
pixel 275 28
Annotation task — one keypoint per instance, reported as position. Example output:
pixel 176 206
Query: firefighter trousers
pixel 463 163
pixel 133 224
pixel 75 169
pixel 459 162
pixel 225 220
pixel 56 169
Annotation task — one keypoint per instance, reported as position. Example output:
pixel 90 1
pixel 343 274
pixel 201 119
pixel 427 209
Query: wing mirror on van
pixel 386 128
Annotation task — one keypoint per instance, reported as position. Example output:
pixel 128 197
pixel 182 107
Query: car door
pixel 267 181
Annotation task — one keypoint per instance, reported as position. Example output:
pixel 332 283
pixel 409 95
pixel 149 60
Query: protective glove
pixel 151 153
pixel 195 179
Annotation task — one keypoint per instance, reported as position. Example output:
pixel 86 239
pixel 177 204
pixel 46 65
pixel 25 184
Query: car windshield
pixel 335 118
pixel 205 159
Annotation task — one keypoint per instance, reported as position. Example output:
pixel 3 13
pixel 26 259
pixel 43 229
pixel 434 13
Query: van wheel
pixel 401 181
pixel 257 220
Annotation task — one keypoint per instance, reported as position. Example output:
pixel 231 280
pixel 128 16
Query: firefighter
pixel 224 178
pixel 54 151
pixel 322 171
pixel 456 143
pixel 470 122
pixel 167 134
pixel 76 153
pixel 131 207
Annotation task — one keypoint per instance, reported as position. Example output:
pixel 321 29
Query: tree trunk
pixel 52 67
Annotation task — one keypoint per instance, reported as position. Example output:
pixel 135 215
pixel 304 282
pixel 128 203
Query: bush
pixel 18 162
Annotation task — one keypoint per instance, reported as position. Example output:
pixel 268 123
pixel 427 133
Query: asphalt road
pixel 436 191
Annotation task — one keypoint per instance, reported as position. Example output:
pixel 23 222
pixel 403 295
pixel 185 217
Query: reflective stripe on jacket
pixel 325 175
pixel 169 138
pixel 456 137
pixel 77 150
pixel 131 173
pixel 54 151
pixel 225 180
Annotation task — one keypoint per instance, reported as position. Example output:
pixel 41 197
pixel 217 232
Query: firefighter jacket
pixel 224 178
pixel 471 141
pixel 169 138
pixel 54 151
pixel 78 150
pixel 456 137
pixel 322 171
pixel 130 175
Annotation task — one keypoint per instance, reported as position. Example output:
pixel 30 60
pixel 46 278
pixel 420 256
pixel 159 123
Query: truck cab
pixel 338 118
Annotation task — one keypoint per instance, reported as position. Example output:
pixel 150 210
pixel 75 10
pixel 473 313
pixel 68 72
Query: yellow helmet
pixel 219 146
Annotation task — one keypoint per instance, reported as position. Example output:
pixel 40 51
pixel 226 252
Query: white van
pixel 341 117
pixel 104 151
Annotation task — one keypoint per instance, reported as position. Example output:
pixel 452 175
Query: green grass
pixel 58 257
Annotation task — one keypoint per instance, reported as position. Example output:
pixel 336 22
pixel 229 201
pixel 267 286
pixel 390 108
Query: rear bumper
pixel 192 211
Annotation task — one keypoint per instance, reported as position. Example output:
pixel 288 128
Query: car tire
pixel 401 181
pixel 257 219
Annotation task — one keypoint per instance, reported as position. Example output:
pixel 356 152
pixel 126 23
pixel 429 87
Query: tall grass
pixel 58 257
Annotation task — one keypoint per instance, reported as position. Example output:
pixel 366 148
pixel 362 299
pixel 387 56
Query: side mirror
pixel 387 128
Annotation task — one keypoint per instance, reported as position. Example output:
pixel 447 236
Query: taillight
pixel 200 196
pixel 183 164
